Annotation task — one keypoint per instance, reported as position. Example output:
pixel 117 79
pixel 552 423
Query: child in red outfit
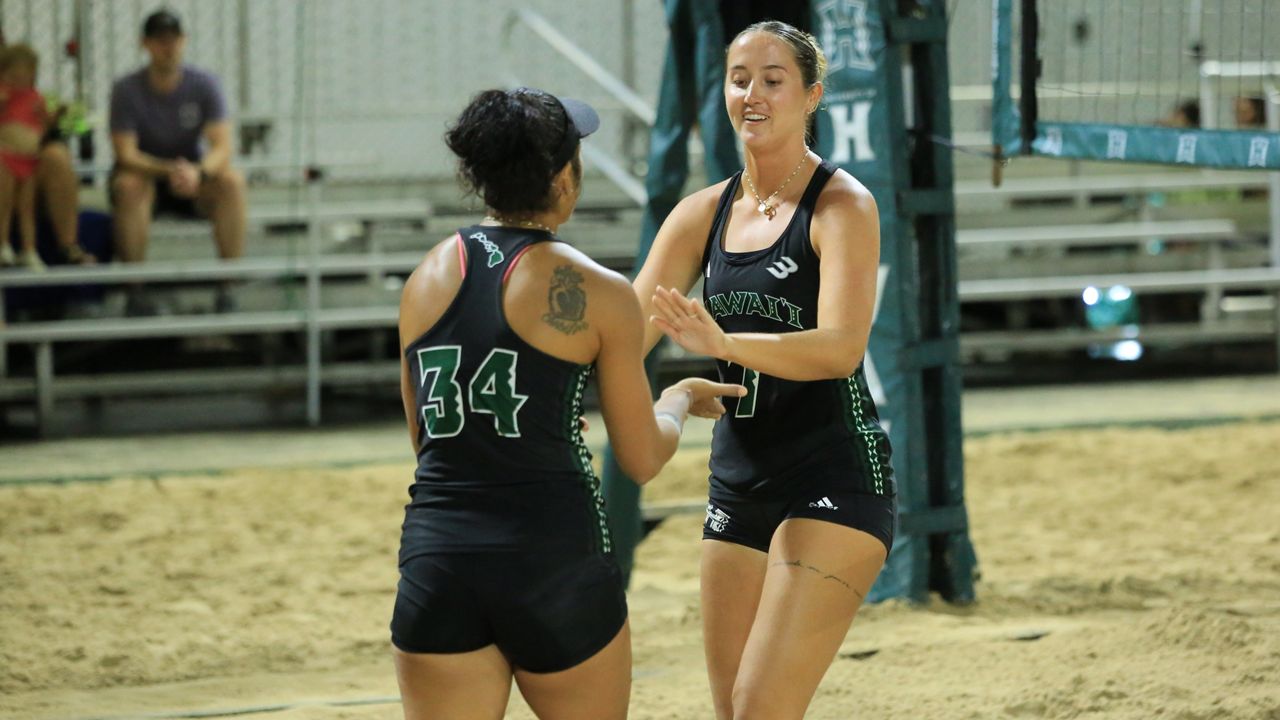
pixel 22 123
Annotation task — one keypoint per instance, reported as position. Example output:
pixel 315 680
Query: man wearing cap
pixel 172 142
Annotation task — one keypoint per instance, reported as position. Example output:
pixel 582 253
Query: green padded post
pixel 691 94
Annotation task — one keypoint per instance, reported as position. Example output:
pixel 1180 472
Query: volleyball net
pixel 1182 82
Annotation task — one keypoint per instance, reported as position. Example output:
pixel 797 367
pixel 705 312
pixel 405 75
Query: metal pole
pixel 58 40
pixel 4 354
pixel 1027 101
pixel 1273 198
pixel 44 386
pixel 629 75
pixel 242 36
pixel 313 225
pixel 82 45
pixel 313 301
pixel 1208 103
pixel 1273 124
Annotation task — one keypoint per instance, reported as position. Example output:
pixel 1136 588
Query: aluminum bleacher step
pixel 1099 234
pixel 1180 281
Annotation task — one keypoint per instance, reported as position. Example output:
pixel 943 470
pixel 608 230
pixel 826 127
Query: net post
pixel 1030 73
pixel 1272 110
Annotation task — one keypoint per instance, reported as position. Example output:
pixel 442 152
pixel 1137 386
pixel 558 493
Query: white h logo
pixel 850 126
pixel 846 39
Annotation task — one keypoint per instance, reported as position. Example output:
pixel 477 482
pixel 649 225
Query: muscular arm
pixel 641 444
pixel 676 256
pixel 426 294
pixel 846 235
pixel 218 158
pixel 129 157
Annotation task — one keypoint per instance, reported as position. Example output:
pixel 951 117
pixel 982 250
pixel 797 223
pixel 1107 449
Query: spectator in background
pixel 57 186
pixel 1251 112
pixel 1186 114
pixel 172 143
pixel 23 120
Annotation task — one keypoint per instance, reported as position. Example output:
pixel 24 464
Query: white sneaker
pixel 6 255
pixel 31 261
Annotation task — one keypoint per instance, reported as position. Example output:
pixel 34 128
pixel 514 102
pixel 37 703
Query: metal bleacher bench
pixel 1101 234
pixel 1213 280
pixel 310 267
pixel 310 318
pixel 1117 184
pixel 1046 246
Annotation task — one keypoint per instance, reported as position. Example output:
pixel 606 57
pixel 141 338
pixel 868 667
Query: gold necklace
pixel 763 207
pixel 518 223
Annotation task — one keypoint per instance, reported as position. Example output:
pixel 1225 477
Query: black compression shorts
pixel 751 521
pixel 546 612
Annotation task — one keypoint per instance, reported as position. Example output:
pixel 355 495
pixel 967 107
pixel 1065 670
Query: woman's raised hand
pixel 688 323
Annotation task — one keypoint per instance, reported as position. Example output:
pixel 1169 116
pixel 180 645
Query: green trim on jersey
pixel 855 397
pixel 573 428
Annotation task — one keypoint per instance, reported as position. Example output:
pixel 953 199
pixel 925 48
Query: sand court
pixel 1127 572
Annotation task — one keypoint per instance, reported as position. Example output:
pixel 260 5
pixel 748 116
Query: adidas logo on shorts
pixel 824 503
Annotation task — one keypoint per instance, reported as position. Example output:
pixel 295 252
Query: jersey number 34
pixel 492 391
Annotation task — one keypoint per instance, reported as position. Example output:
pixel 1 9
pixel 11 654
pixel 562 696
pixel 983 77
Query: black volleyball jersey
pixel 502 464
pixel 784 432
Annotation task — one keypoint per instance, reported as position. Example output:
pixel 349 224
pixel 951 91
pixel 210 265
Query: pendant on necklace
pixel 767 210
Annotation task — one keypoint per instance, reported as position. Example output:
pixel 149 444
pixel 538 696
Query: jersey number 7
pixel 747 403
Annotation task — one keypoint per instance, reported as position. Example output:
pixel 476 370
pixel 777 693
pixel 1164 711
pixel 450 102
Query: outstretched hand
pixel 704 396
pixel 688 323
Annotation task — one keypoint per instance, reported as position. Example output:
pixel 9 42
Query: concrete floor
pixel 1178 402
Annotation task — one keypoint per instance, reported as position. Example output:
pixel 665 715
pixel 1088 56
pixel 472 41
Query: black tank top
pixel 784 432
pixel 502 464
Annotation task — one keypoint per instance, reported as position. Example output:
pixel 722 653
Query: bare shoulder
pixel 430 289
pixel 845 213
pixel 698 209
pixel 435 266
pixel 570 265
pixel 844 196
pixel 565 289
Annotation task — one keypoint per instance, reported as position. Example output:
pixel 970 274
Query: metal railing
pixel 613 168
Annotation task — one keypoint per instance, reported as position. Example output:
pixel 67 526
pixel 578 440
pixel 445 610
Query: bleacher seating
pixel 1015 246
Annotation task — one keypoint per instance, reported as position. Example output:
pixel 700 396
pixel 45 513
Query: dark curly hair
pixel 506 141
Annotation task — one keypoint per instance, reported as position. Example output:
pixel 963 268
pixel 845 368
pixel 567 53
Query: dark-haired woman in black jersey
pixel 801 510
pixel 506 569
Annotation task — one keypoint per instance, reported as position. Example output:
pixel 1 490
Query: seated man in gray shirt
pixel 172 142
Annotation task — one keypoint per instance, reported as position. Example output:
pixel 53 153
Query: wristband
pixel 677 388
pixel 671 418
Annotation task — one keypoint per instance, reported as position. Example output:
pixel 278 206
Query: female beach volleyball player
pixel 505 562
pixel 802 501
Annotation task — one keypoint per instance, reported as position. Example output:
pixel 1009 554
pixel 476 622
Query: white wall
pixel 369 82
